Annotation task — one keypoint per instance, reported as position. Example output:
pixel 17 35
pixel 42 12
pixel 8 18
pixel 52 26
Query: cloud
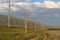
pixel 46 4
pixel 22 4
pixel 2 1
pixel 18 5
pixel 14 8
pixel 50 4
pixel 4 7
pixel 58 4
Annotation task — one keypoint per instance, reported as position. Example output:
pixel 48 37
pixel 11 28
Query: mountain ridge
pixel 15 22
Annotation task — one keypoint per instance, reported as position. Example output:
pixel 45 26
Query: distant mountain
pixel 15 22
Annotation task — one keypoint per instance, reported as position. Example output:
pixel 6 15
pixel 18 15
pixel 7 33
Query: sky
pixel 32 0
pixel 37 0
pixel 44 0
pixel 47 12
pixel 57 0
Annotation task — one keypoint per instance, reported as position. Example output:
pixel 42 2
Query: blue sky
pixel 57 0
pixel 31 0
pixel 37 0
pixel 43 0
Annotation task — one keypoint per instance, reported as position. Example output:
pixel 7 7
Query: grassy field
pixel 17 33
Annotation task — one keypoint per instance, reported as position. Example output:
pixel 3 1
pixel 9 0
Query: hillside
pixel 15 22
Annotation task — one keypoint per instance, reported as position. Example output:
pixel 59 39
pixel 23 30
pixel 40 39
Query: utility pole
pixel 26 22
pixel 26 19
pixel 9 13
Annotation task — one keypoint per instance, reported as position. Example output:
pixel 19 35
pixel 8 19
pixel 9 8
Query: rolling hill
pixel 15 22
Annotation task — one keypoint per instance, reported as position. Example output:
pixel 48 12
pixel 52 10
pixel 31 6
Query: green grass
pixel 13 33
pixel 17 33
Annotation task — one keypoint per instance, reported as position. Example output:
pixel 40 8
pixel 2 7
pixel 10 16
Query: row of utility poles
pixel 25 15
pixel 26 18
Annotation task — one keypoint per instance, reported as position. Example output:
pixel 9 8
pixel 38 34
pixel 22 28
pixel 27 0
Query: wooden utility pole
pixel 26 19
pixel 26 22
pixel 9 13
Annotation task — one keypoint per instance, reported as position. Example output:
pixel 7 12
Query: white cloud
pixel 4 7
pixel 47 4
pixel 24 5
pixel 14 5
pixel 37 4
pixel 58 4
pixel 19 3
pixel 50 4
pixel 14 8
